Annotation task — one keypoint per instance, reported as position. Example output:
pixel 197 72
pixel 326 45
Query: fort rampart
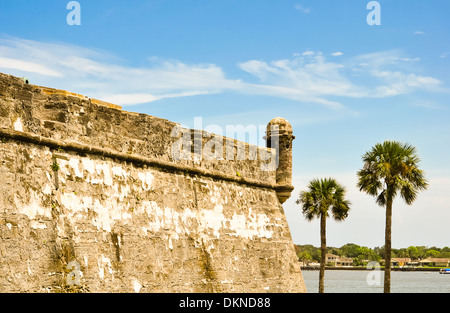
pixel 94 199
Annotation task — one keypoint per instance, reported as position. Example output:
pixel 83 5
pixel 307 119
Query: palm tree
pixel 391 168
pixel 322 196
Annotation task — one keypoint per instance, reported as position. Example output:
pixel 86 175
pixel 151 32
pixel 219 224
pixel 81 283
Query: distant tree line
pixel 360 254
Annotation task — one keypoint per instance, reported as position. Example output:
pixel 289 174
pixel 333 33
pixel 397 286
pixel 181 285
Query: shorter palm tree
pixel 323 196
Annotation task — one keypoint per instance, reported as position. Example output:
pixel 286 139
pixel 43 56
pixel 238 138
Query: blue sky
pixel 343 85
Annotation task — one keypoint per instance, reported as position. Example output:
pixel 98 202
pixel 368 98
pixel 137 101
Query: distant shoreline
pixel 353 268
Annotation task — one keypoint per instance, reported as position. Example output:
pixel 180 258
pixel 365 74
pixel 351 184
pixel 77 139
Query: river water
pixel 337 281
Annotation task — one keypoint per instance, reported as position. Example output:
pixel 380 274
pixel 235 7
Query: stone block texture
pixel 92 200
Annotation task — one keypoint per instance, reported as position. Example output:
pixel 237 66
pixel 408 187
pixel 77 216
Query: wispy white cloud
pixel 97 74
pixel 133 99
pixel 337 54
pixel 393 73
pixel 308 78
pixel 428 104
pixel 305 77
pixel 313 76
pixel 410 59
pixel 401 83
pixel 302 9
pixel 418 32
pixel 25 66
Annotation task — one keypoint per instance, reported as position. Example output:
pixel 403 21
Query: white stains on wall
pixel 104 264
pixel 104 218
pixel 18 125
pixel 122 191
pixel 49 178
pixel 47 189
pixel 94 173
pixel 146 179
pixel 137 286
pixel 74 164
pixel 251 225
pixel 105 213
pixel 88 165
pixel 213 220
pixel 29 267
pixel 104 173
pixel 105 169
pixel 32 153
pixel 37 225
pixel 75 204
pixel 34 208
pixel 118 202
pixel 118 171
pixel 181 222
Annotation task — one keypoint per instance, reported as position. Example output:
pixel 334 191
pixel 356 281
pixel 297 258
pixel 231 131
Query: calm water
pixel 356 282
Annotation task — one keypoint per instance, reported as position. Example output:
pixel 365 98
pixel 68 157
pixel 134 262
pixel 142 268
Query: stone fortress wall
pixel 94 199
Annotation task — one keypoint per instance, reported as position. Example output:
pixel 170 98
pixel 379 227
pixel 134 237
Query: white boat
pixel 444 271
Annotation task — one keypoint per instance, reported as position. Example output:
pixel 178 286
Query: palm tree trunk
pixel 387 247
pixel 323 251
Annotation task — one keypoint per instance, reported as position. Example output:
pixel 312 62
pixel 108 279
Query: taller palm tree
pixel 323 196
pixel 391 168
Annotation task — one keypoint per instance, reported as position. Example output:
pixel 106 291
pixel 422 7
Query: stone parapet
pixel 93 200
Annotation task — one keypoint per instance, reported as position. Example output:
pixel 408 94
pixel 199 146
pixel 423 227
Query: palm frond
pixel 389 168
pixel 322 195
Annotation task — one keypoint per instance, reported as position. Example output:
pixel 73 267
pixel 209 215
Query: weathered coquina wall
pixel 93 199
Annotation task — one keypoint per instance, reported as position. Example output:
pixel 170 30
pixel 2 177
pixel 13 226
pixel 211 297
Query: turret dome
pixel 283 126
